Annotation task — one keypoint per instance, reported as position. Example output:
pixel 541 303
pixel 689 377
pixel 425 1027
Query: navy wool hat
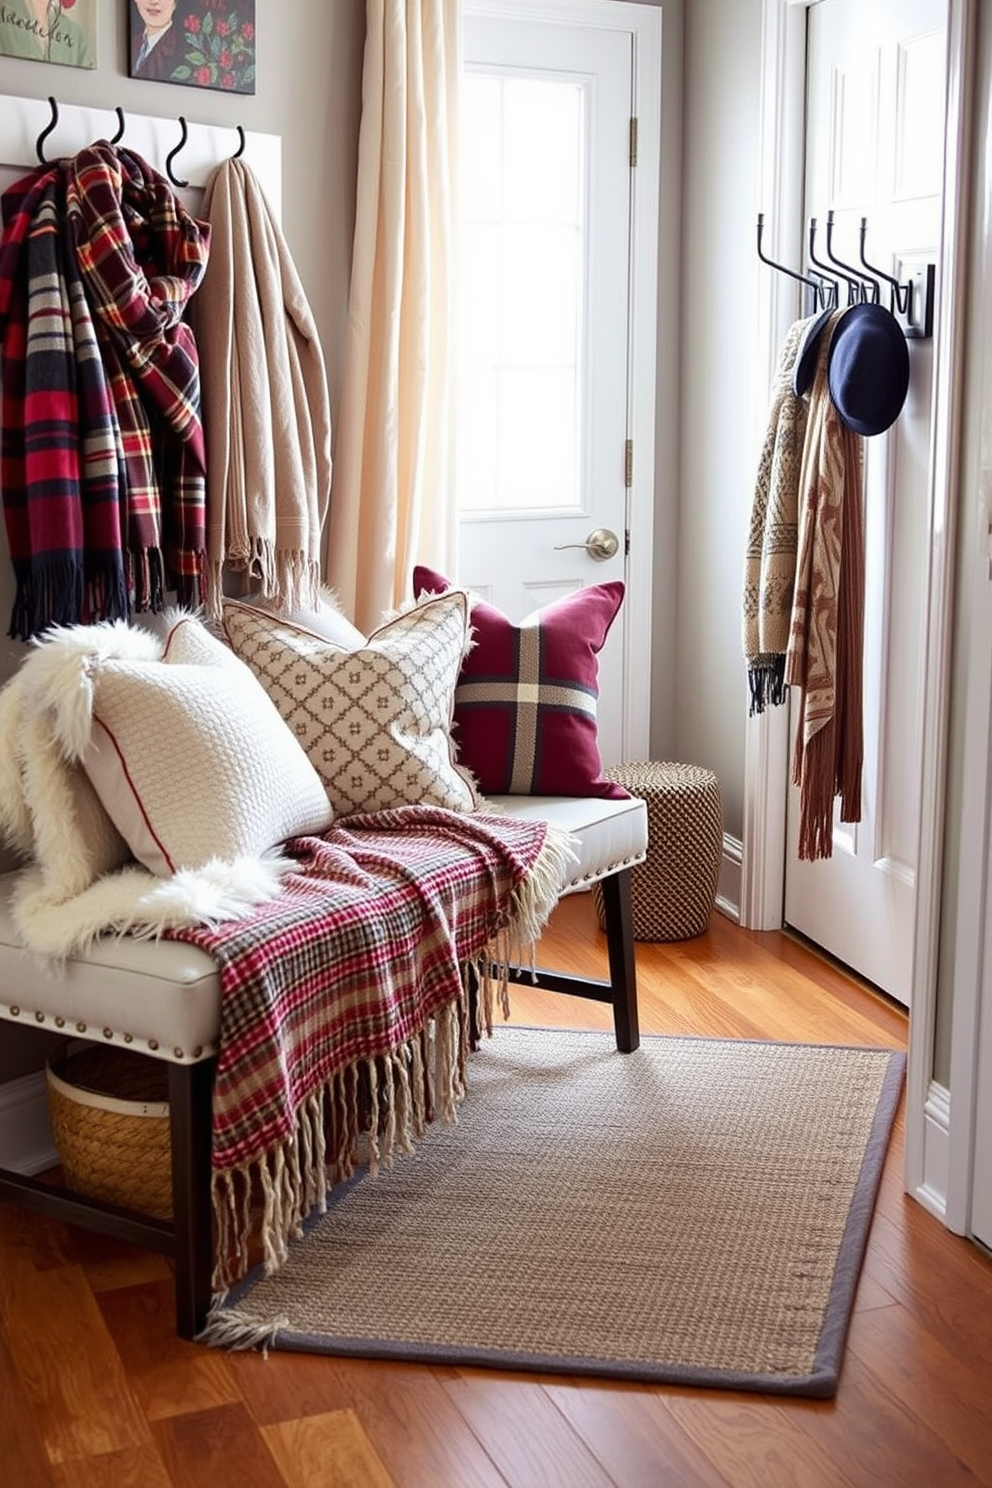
pixel 868 368
pixel 805 364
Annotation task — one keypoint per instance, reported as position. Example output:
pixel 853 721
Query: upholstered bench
pixel 162 997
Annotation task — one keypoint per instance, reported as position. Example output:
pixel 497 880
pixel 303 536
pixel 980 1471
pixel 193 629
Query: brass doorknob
pixel 600 544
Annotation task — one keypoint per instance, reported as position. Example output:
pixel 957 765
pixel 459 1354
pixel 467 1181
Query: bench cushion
pixel 610 834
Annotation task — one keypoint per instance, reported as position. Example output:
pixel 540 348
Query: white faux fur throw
pixel 80 881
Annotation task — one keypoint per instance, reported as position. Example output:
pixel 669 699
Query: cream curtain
pixel 391 501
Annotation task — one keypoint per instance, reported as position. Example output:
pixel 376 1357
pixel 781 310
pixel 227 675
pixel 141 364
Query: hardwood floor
pixel 96 1391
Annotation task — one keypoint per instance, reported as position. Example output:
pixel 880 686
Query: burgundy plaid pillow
pixel 525 702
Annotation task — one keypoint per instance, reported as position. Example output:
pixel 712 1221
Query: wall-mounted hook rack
pixel 912 298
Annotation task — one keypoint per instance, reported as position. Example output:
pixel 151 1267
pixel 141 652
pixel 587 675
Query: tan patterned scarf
pixel 770 556
pixel 824 658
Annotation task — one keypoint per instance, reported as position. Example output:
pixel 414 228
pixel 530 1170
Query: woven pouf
pixel 673 891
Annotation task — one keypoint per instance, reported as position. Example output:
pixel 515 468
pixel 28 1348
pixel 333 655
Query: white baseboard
pixel 728 889
pixel 26 1141
pixel 931 1192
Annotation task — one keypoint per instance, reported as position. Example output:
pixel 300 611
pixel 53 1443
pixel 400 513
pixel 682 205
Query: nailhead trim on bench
pixel 588 879
pixel 58 1022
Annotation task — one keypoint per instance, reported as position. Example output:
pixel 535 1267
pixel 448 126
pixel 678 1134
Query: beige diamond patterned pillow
pixel 375 722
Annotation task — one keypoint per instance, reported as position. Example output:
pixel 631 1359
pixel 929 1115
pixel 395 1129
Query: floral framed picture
pixel 203 43
pixel 49 31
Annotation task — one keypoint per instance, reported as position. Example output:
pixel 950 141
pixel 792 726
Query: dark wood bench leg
pixel 620 947
pixel 190 1104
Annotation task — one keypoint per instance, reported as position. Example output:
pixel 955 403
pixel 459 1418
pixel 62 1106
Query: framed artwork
pixel 203 43
pixel 49 31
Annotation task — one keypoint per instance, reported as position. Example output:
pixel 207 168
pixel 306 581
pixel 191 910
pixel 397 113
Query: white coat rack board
pixel 153 137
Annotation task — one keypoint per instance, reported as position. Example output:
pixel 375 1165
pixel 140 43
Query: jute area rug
pixel 693 1213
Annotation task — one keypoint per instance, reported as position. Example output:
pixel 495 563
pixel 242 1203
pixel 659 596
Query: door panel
pixel 543 383
pixel 874 149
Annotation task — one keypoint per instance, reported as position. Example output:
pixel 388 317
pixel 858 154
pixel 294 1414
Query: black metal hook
pixel 119 134
pixel 829 270
pixel 241 143
pixel 813 284
pixel 867 282
pixel 900 292
pixel 174 152
pixel 40 142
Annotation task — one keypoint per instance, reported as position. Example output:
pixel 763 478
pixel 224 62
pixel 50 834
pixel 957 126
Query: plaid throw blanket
pixel 101 447
pixel 343 1015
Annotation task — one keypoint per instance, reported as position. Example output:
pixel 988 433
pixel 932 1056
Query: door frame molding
pixel 643 23
pixel 766 738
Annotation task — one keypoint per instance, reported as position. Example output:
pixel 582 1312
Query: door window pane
pixel 522 291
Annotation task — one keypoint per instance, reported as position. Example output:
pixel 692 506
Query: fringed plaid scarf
pixel 825 656
pixel 343 1015
pixel 101 448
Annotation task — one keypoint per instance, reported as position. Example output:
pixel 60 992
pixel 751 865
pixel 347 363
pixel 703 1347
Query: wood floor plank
pixel 410 1420
pixel 80 1394
pixel 138 1467
pixel 168 1376
pixel 402 1409
pixel 22 1451
pixel 947 1391
pixel 531 1442
pixel 755 1441
pixel 637 1444
pixel 905 1254
pixel 112 1264
pixel 214 1447
pixel 286 1386
pixel 330 1451
pixel 882 1441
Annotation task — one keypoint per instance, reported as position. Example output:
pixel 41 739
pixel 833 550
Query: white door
pixel 544 394
pixel 874 150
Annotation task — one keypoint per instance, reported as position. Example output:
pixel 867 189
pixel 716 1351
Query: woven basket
pixel 110 1116
pixel 673 891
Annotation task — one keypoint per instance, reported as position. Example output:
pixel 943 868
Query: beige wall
pixel 308 92
pixel 717 416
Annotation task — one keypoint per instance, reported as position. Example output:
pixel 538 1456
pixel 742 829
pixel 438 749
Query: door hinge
pixel 628 463
pixel 633 141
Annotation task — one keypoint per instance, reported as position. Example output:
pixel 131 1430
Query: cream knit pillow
pixel 375 720
pixel 187 754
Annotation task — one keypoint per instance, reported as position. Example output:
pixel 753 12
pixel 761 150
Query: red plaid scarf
pixel 95 423
pixel 329 993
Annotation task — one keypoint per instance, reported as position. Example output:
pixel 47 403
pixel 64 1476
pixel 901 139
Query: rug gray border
pixel 820 1383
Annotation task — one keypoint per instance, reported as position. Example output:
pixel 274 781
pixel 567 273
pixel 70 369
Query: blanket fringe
pixel 368 1112
pixel 242 1331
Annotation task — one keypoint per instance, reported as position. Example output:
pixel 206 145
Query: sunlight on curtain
pixel 391 501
